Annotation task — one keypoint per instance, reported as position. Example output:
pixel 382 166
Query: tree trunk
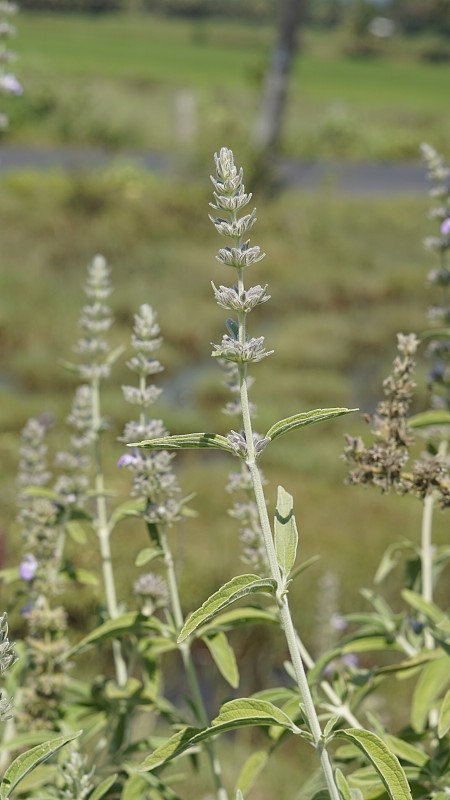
pixel 268 127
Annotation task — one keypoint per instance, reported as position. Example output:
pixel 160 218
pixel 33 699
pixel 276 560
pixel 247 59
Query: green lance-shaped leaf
pixel 286 536
pixel 235 617
pixel 177 743
pixel 386 763
pixel 344 788
pixel 146 555
pixel 130 622
pixel 26 762
pixel 250 771
pixel 405 751
pixel 251 711
pixel 187 441
pixel 223 656
pixel 444 716
pixel 235 714
pixel 391 558
pixel 101 789
pixel 433 679
pixel 429 610
pixel 238 587
pixel 76 532
pixel 428 418
pixel 305 418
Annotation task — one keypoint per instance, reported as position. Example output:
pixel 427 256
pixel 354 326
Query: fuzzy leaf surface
pixel 429 610
pixel 235 714
pixel 406 751
pixel 386 763
pixel 146 555
pixel 433 679
pixel 26 762
pixel 238 587
pixel 250 771
pixel 427 418
pixel 131 622
pixel 251 711
pixel 186 441
pixel 223 656
pixel 305 418
pixel 444 716
pixel 103 787
pixel 239 616
pixel 285 529
pixel 344 788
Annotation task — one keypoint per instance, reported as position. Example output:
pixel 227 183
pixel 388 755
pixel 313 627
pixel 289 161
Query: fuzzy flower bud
pixel 251 351
pixel 230 299
pixel 240 257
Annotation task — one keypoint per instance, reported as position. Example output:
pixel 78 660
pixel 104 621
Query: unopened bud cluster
pixel 236 349
pixel 76 777
pixel 95 321
pixel 384 463
pixel 230 198
pixel 41 519
pixel 154 481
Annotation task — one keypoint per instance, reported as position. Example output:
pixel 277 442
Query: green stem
pixel 285 614
pixel 103 533
pixel 188 662
pixel 426 559
pixel 338 706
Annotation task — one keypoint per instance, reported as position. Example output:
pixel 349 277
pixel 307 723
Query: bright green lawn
pixel 114 81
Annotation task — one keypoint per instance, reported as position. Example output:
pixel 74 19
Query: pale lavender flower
pixel 28 567
pixel 445 227
pixel 338 622
pixel 127 460
pixel 10 84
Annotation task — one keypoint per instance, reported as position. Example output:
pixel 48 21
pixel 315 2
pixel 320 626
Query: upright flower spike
pixel 40 518
pixel 438 347
pixel 154 480
pixel 238 349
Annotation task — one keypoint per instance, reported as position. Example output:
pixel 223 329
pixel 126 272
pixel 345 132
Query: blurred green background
pixel 345 272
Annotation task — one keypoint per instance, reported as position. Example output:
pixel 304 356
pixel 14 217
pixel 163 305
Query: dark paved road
pixel 350 178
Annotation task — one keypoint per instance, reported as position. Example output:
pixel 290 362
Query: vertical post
pixel 269 123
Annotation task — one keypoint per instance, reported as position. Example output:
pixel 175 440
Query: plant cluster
pixel 118 735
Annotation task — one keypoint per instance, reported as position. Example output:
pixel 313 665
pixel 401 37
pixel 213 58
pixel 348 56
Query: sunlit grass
pixel 114 82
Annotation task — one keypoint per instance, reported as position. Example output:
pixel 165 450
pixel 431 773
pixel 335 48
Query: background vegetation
pixel 345 274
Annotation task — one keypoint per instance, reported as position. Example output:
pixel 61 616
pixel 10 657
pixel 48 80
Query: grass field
pixel 115 81
pixel 344 277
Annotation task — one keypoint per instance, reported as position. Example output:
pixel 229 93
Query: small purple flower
pixel 338 622
pixel 350 660
pixel 28 567
pixel 445 227
pixel 127 460
pixel 10 84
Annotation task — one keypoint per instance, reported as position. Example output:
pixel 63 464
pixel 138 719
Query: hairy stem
pixel 338 706
pixel 188 662
pixel 103 533
pixel 285 614
pixel 426 554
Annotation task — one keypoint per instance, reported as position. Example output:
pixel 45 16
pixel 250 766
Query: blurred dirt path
pixel 349 178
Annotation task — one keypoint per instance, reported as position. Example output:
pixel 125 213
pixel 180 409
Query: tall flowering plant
pixel 300 717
